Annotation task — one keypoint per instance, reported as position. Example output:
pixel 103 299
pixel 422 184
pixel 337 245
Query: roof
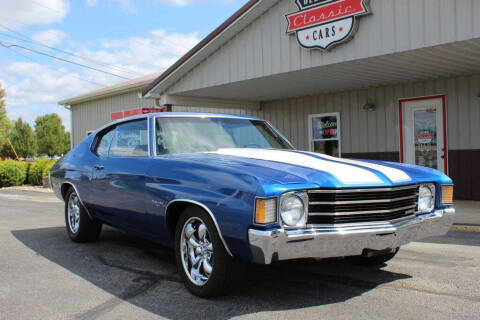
pixel 180 115
pixel 213 37
pixel 119 88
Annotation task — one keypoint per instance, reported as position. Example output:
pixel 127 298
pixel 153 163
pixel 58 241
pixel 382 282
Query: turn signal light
pixel 447 195
pixel 266 211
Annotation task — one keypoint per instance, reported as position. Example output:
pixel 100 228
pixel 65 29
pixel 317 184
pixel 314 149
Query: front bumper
pixel 347 240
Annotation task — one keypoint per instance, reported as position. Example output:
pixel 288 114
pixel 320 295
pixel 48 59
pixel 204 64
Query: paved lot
pixel 43 275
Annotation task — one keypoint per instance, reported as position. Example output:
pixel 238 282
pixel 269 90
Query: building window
pixel 324 133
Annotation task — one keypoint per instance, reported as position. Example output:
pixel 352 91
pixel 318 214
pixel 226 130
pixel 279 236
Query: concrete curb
pixel 465 228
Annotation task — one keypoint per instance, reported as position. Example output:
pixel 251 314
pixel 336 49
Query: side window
pixel 103 145
pixel 130 140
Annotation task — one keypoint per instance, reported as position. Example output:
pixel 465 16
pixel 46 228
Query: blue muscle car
pixel 224 189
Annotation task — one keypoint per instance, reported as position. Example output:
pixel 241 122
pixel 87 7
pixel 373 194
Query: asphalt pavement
pixel 43 275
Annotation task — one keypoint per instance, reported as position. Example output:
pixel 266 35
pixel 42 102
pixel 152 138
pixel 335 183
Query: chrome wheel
pixel 73 213
pixel 196 250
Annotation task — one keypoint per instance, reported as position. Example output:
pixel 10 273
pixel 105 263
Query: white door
pixel 422 132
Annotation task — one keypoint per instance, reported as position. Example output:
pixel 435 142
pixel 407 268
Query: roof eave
pixel 206 42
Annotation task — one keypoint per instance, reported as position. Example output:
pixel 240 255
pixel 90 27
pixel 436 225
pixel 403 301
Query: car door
pixel 118 178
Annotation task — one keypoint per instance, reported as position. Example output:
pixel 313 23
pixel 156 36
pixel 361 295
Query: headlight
pixel 426 197
pixel 293 209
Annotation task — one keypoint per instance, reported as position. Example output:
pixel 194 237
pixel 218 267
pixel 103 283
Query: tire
pixel 376 260
pixel 218 262
pixel 80 227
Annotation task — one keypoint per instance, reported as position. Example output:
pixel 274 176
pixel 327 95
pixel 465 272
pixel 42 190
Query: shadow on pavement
pixel 144 274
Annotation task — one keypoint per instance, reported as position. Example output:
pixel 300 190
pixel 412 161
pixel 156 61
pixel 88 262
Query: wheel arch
pixel 175 207
pixel 66 185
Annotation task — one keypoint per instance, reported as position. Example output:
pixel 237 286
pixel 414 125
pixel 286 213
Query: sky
pixel 124 38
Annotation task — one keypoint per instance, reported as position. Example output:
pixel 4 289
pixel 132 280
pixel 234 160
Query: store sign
pixel 324 23
pixel 325 127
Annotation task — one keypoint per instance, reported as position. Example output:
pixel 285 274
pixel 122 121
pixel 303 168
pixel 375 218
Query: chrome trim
pixel 211 216
pixel 410 186
pixel 360 212
pixel 364 201
pixel 117 123
pixel 78 194
pixel 347 240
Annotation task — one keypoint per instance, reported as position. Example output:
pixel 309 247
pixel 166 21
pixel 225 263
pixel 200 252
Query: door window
pixel 325 133
pixel 425 130
pixel 130 140
pixel 103 145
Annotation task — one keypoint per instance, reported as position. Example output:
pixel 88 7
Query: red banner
pixel 324 14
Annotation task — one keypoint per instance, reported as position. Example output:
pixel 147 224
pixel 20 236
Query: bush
pixel 12 173
pixel 38 170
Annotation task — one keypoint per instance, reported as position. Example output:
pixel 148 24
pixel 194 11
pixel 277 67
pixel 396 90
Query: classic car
pixel 223 190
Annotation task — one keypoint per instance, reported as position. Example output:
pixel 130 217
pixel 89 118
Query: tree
pixel 51 136
pixel 23 139
pixel 5 124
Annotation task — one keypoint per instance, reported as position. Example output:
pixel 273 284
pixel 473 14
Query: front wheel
pixel 80 227
pixel 202 260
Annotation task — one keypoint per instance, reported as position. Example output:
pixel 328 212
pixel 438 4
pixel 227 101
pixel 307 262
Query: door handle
pixel 98 167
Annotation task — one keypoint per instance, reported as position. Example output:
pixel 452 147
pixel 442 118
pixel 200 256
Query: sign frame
pixel 349 35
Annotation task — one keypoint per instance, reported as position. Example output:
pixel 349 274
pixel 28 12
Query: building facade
pixel 395 80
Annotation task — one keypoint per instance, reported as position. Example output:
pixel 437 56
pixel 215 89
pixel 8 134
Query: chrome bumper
pixel 347 240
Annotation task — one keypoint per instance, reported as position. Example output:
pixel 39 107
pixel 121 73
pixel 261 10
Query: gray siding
pixel 94 114
pixel 263 48
pixel 378 131
pixel 375 131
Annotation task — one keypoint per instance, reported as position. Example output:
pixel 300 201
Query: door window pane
pixel 131 140
pixel 329 147
pixel 425 126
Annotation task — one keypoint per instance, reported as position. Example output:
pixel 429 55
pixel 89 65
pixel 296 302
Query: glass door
pixel 423 140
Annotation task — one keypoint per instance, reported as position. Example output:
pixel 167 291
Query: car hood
pixel 298 167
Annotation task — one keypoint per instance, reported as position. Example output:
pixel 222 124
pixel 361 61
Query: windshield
pixel 190 135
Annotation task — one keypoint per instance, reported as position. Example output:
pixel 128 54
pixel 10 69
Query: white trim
pixel 339 131
pixel 343 172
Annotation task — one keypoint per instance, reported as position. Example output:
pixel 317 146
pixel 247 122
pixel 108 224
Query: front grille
pixel 334 206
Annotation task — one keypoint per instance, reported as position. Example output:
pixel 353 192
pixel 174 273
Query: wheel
pixel 375 260
pixel 80 227
pixel 205 266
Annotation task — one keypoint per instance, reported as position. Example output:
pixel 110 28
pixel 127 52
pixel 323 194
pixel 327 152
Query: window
pixel 324 133
pixel 104 142
pixel 207 134
pixel 130 140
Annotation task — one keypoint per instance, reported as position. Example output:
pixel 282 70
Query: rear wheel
pixel 80 227
pixel 202 260
pixel 375 260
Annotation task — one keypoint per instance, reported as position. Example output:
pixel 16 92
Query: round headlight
pixel 426 198
pixel 292 210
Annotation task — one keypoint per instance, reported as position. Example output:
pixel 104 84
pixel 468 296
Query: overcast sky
pixel 126 38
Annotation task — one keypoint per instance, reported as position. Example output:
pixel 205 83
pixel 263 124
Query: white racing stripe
pixel 345 173
pixel 395 175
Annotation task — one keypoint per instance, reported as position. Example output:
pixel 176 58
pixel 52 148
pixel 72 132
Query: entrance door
pixel 422 132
